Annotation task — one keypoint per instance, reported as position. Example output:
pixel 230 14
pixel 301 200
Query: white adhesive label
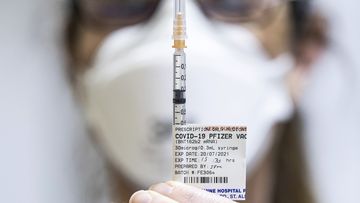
pixel 212 158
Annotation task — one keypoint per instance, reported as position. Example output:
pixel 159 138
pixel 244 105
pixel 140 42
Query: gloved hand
pixel 172 192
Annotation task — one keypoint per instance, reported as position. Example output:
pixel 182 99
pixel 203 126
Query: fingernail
pixel 162 188
pixel 140 197
pixel 173 183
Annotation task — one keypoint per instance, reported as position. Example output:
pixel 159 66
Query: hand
pixel 176 192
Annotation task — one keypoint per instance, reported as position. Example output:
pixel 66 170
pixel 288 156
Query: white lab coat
pixel 45 154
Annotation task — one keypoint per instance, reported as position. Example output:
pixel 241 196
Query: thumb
pixel 187 194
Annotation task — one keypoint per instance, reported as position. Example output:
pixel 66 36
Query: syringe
pixel 179 36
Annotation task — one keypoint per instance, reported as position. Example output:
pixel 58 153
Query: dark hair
pixel 291 173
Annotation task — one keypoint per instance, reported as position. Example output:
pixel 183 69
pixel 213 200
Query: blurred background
pixel 73 75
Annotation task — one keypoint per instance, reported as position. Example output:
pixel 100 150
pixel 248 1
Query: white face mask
pixel 128 92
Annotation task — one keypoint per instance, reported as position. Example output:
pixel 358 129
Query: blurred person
pixel 121 54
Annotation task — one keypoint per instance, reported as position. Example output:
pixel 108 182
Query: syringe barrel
pixel 179 88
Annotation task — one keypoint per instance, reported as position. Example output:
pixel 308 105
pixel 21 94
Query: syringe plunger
pixel 179 32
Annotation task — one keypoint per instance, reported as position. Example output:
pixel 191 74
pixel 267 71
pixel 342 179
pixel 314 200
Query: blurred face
pixel 127 88
pixel 267 19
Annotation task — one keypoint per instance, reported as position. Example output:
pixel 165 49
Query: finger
pixel 187 194
pixel 149 197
